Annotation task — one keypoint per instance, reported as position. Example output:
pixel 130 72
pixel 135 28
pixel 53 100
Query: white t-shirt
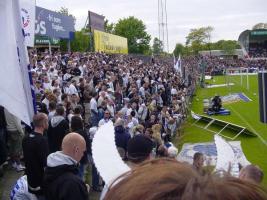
pixel 47 86
pixel 66 76
pixel 103 121
pixel 142 91
pixel 111 110
pixel 174 91
pixel 93 105
pixel 46 102
pixel 72 90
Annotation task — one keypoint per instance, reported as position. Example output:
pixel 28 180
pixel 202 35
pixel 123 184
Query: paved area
pixel 7 181
pixel 10 177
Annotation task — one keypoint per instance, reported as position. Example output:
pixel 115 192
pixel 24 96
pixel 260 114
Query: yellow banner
pixel 110 43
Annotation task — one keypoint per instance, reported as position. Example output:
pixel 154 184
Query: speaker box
pixel 262 82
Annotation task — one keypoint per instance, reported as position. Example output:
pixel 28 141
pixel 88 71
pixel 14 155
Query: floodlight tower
pixel 163 24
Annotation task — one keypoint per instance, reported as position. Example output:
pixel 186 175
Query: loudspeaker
pixel 262 82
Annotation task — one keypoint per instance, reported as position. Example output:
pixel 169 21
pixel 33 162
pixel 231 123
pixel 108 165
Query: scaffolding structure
pixel 163 24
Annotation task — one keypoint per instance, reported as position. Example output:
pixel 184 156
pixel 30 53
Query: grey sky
pixel 228 17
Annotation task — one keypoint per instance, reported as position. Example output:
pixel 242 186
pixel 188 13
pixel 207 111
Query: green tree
pixel 63 45
pixel 179 50
pixel 198 37
pixel 81 41
pixel 229 46
pixel 135 31
pixel 157 47
pixel 109 27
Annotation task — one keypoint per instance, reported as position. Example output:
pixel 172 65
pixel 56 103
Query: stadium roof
pixel 260 26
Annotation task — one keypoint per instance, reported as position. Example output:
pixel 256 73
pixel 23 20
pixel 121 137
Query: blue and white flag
pixel 28 20
pixel 178 65
pixel 14 77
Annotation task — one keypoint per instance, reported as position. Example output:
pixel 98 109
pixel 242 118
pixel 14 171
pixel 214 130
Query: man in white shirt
pixel 94 110
pixel 67 76
pixel 46 83
pixel 106 119
pixel 72 88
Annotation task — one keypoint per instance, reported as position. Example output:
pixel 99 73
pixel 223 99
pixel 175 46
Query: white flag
pixel 178 66
pixel 14 78
pixel 174 60
pixel 107 155
pixel 28 20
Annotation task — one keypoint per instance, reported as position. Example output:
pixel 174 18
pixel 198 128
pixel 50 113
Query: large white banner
pixel 14 78
pixel 209 150
pixel 28 20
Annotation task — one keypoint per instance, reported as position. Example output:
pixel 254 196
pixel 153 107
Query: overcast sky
pixel 228 17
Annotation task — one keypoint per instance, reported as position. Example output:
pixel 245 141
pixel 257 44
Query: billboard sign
pixel 53 24
pixel 110 43
pixel 96 21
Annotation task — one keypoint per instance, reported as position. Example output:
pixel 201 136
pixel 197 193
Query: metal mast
pixel 163 24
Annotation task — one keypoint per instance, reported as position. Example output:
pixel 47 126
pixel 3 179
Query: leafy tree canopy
pixel 135 31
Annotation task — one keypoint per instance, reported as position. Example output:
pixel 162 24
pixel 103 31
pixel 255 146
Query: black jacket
pixel 61 182
pixel 121 137
pixel 35 151
pixel 58 128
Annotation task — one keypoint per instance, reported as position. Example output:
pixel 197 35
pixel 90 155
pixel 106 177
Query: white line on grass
pixel 251 128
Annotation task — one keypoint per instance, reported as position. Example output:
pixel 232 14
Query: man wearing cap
pixel 139 149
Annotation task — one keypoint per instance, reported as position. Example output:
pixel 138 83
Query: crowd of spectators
pixel 82 91
pixel 79 92
pixel 258 51
pixel 215 65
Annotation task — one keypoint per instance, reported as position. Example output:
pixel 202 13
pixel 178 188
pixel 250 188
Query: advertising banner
pixel 96 21
pixel 53 24
pixel 110 43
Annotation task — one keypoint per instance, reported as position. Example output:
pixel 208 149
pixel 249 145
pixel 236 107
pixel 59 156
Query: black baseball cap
pixel 139 148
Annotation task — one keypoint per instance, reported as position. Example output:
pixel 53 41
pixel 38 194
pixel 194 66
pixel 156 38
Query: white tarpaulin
pixel 105 154
pixel 208 77
pixel 28 20
pixel 210 152
pixel 220 85
pixel 226 157
pixel 14 78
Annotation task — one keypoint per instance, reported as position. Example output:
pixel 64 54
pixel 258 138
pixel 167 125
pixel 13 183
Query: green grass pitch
pixel 242 113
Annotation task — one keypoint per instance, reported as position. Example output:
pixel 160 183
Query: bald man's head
pixel 74 146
